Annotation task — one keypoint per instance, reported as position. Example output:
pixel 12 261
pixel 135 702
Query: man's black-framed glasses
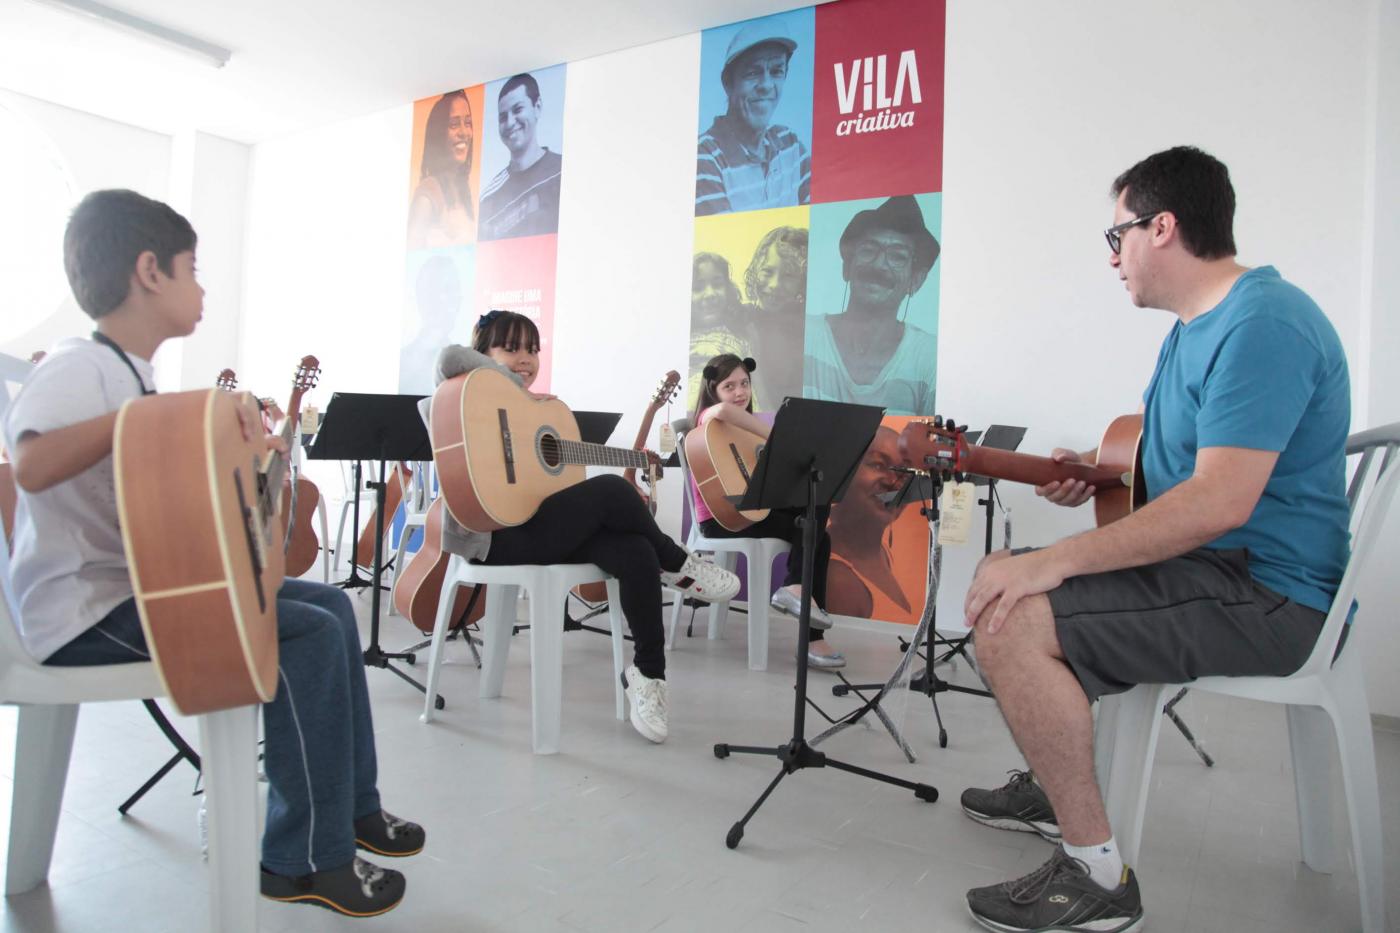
pixel 1114 235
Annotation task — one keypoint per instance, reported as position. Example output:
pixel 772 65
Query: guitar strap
pixel 99 337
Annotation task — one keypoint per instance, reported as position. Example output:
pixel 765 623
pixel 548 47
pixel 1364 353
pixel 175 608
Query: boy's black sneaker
pixel 1058 896
pixel 359 889
pixel 1020 804
pixel 385 834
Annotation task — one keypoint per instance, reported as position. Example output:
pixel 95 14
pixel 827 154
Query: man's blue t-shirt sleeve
pixel 1258 388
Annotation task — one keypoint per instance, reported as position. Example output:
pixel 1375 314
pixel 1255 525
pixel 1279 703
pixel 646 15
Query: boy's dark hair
pixel 1194 186
pixel 106 233
pixel 527 81
pixel 716 371
pixel 505 329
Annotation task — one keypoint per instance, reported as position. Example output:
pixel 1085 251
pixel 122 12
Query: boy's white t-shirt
pixel 68 569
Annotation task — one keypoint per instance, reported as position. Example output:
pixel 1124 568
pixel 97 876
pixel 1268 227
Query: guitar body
pixel 419 586
pixel 304 546
pixel 492 444
pixel 204 567
pixel 721 459
pixel 1121 452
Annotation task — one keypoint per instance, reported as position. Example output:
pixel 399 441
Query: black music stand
pixel 810 457
pixel 362 426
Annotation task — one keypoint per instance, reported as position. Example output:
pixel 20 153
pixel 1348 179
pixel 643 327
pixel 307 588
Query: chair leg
pixel 618 623
pixel 760 582
pixel 1137 723
pixel 719 611
pixel 340 528
pixel 229 742
pixel 441 622
pixel 677 604
pixel 1350 717
pixel 495 635
pixel 325 540
pixel 1310 740
pixel 43 745
pixel 546 662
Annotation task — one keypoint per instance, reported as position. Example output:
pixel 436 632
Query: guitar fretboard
pixel 585 454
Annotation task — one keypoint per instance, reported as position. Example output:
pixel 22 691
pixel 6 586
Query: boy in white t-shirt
pixel 131 264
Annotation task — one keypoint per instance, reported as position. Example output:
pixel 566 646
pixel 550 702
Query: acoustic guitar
pixel 721 459
pixel 419 584
pixel 299 505
pixel 198 506
pixel 500 452
pixel 1116 475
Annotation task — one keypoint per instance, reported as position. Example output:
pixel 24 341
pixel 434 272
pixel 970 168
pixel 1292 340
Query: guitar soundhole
pixel 549 450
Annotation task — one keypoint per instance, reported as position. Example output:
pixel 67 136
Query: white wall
pixel 1046 103
pixel 99 153
pixel 1380 597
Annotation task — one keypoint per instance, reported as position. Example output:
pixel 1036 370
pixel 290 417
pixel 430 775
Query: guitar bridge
pixel 739 460
pixel 507 445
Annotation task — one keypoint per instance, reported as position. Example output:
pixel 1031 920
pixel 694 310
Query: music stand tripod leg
pixel 797 754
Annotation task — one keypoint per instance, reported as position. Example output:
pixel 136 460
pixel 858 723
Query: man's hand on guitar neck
pixel 1070 492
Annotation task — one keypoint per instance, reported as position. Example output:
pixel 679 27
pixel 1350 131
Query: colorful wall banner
pixel 877 126
pixel 818 232
pixel 485 169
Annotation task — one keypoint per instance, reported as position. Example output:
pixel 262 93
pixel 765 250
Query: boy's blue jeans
pixel 319 748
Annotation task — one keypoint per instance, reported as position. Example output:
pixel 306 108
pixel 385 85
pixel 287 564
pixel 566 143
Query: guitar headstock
pixel 304 380
pixel 665 391
pixel 227 380
pixel 307 374
pixel 934 445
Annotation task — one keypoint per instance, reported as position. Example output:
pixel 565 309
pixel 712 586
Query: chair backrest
pixel 12 370
pixel 1369 496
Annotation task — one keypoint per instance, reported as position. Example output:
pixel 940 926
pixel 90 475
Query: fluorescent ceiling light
pixel 214 55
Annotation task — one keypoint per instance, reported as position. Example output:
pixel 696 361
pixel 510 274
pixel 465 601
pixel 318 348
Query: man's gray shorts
pixel 1197 615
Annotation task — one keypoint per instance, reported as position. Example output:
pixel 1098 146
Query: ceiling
pixel 312 62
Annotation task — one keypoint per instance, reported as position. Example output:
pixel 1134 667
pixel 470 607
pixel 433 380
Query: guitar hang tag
pixel 666 440
pixel 955 517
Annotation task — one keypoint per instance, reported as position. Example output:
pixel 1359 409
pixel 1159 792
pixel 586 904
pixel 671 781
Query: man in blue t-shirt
pixel 1230 567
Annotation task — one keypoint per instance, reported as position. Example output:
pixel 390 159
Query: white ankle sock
pixel 1104 861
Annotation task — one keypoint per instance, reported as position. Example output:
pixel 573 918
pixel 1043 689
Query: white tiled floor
pixel 615 835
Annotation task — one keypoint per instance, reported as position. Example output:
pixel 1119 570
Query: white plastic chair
pixel 759 554
pixel 1321 691
pixel 548 586
pixel 48 699
pixel 418 494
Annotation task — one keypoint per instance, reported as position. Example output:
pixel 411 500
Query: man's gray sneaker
pixel 1058 896
pixel 1020 804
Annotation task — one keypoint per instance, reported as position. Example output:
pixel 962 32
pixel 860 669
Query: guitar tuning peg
pixel 938 421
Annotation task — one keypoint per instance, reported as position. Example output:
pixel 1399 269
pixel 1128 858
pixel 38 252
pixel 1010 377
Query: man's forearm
pixel 1184 518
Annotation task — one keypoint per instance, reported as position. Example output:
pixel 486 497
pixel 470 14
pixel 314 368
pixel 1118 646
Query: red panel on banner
pixel 877 127
pixel 518 275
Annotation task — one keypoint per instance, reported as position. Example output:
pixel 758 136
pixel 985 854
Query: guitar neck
pixel 1036 471
pixel 582 453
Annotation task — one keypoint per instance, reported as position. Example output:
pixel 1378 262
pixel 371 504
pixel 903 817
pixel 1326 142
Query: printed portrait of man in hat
pixel 745 161
pixel 869 351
